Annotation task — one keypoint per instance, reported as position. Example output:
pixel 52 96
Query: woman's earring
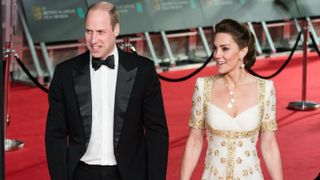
pixel 242 64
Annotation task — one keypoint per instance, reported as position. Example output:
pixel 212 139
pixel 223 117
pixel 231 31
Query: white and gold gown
pixel 231 153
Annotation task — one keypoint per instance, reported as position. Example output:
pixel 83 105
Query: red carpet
pixel 298 135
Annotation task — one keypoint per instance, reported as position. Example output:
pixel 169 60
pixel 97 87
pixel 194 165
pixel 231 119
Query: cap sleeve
pixel 197 112
pixel 269 116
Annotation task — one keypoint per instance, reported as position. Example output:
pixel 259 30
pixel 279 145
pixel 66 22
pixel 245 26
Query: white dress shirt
pixel 100 149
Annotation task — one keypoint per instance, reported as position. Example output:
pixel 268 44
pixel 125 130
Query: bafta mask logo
pixel 37 12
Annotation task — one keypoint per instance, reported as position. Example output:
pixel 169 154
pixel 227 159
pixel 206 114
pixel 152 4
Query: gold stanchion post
pixel 9 144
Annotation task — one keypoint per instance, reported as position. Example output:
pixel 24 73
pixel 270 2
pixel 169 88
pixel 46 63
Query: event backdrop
pixel 62 20
pixel 58 20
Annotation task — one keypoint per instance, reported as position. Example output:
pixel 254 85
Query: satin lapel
pixel 125 81
pixel 81 77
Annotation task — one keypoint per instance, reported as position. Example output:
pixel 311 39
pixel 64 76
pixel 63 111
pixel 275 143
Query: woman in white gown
pixel 234 107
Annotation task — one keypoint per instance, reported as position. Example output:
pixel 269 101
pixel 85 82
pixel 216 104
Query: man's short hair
pixel 110 8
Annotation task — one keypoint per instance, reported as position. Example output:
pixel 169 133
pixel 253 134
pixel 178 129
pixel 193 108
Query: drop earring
pixel 242 64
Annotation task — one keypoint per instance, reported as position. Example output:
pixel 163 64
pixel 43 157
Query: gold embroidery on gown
pixel 231 152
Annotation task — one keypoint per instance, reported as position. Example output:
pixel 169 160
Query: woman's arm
pixel 271 155
pixel 192 153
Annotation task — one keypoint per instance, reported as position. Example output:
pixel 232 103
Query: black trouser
pixel 85 171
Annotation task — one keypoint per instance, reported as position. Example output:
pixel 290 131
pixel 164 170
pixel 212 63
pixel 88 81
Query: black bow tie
pixel 109 61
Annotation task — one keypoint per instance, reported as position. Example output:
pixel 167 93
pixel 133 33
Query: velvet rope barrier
pixel 283 65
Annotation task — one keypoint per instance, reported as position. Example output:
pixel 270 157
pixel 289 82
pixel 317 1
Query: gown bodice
pixel 231 152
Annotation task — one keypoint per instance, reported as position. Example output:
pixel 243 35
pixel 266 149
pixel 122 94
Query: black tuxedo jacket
pixel 140 129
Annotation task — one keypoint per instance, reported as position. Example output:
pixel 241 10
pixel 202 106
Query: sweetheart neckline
pixel 235 117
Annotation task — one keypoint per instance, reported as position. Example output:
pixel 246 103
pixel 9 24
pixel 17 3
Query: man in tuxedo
pixel 106 118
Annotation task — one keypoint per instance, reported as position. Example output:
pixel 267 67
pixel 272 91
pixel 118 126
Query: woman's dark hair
pixel 242 36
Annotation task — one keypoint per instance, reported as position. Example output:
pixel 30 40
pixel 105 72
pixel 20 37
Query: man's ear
pixel 116 29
